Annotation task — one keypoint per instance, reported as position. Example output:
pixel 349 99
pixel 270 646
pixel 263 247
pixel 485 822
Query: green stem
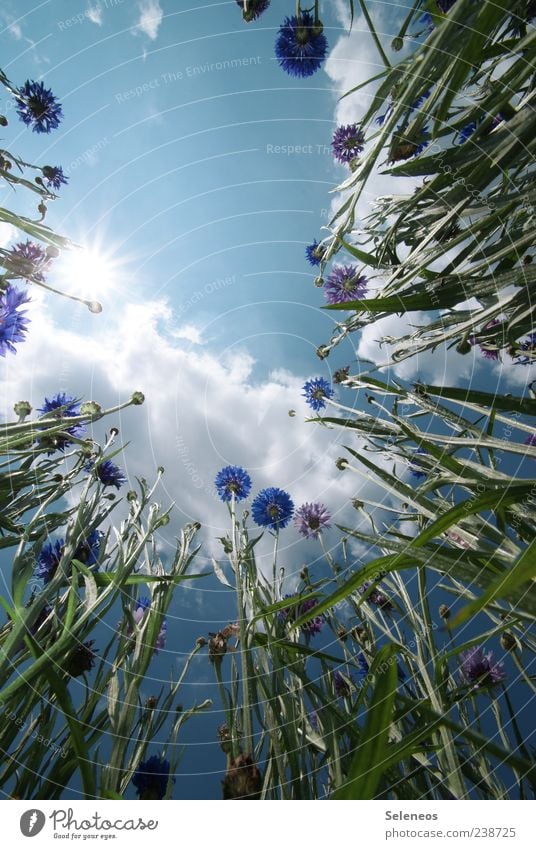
pixel 374 34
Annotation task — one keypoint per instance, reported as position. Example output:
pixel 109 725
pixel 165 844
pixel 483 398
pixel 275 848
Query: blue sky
pixel 198 173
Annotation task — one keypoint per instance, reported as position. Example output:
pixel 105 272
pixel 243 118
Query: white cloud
pixel 191 333
pixel 151 16
pixel 94 14
pixel 202 412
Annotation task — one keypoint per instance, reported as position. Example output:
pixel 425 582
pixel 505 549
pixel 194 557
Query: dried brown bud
pixel 508 641
pixel 342 633
pixel 151 702
pixel 243 779
pixel 201 642
pixel 444 611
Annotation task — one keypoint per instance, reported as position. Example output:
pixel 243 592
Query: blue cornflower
pixel 272 508
pixel 528 346
pixel 108 473
pixel 363 667
pixel 531 440
pixel 27 259
pixel 151 778
pixel 255 8
pixel 315 253
pixel 344 284
pixel 49 559
pixel 54 176
pixel 301 45
pixel 315 392
pixel 37 107
pixel 342 684
pixel 88 552
pixel 52 408
pixel 416 466
pixel 466 132
pixel 428 22
pixel 13 321
pixel 233 480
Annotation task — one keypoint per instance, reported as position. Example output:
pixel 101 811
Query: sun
pixel 87 272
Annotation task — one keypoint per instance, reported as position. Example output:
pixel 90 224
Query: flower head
pixel 344 284
pixel 28 260
pixel 489 353
pixel 252 9
pixel 477 668
pixel 49 559
pixel 62 406
pixel 416 466
pixel 311 519
pixel 37 107
pixel 151 778
pixel 233 480
pixel 528 347
pixel 272 508
pixel 531 440
pixel 108 473
pixel 376 596
pixel 315 392
pixel 13 321
pixel 301 45
pixel 54 176
pixel 347 143
pixel 243 779
pixel 81 659
pixel 88 551
pixel 342 684
pixel 290 614
pixel 315 253
pixel 466 132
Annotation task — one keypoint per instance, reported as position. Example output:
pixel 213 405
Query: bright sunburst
pixel 87 271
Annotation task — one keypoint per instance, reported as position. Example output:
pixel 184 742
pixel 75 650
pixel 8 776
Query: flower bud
pixel 137 398
pixel 22 409
pixel 292 413
pixel 3 121
pixel 151 702
pixel 52 252
pixel 508 641
pixel 132 495
pixel 397 44
pixel 341 463
pixel 322 352
pixel 319 282
pixel 201 642
pixel 94 307
pixel 444 611
pixel 90 408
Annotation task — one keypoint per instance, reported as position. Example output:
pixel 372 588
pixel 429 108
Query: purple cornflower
pixel 342 684
pixel 315 253
pixel 344 284
pixel 233 480
pixel 376 596
pixel 55 177
pixel 141 605
pixel 272 508
pixel 488 353
pixel 253 9
pixel 531 440
pixel 315 392
pixel 28 260
pixel 312 626
pixel 108 473
pixel 151 778
pixel 13 321
pixel 528 346
pixel 301 45
pixel 347 143
pixel 311 519
pixel 37 107
pixel 477 668
pixel 52 408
